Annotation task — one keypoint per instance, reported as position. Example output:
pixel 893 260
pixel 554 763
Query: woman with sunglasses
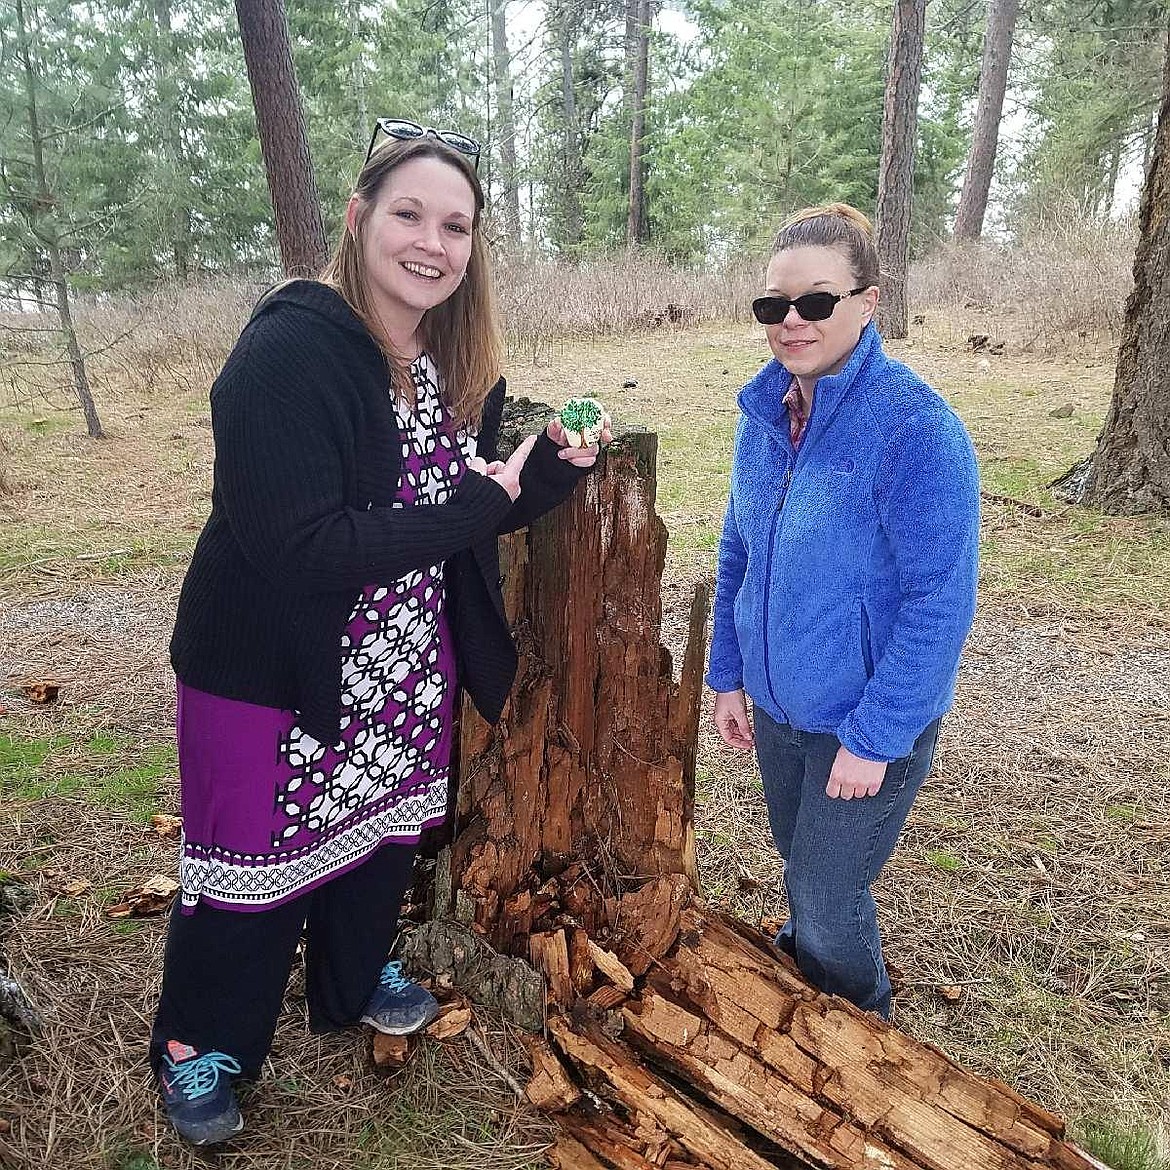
pixel 845 590
pixel 346 581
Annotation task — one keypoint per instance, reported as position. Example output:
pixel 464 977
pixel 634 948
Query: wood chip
pixel 166 825
pixel 549 1087
pixel 391 1052
pixel 611 967
pixel 152 897
pixel 452 1020
pixel 607 997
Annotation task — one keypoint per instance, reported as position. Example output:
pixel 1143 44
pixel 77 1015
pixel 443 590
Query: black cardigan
pixel 307 462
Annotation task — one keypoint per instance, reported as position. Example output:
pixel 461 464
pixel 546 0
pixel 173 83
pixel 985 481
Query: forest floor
pixel 1025 911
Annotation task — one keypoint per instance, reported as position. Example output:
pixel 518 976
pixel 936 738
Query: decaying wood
pixel 674 1037
pixel 550 1086
pixel 595 713
pixel 461 958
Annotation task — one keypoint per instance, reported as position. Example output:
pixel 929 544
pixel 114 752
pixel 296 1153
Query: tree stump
pixel 673 1036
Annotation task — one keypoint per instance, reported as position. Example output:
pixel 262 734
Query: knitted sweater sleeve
pixel 928 500
pixel 281 473
pixel 545 480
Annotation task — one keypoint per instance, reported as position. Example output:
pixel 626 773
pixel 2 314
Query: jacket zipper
pixel 787 482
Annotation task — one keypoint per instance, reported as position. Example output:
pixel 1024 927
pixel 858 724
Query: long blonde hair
pixel 462 335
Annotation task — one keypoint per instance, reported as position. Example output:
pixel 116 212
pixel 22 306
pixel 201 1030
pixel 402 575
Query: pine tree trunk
pixel 594 714
pixel 571 225
pixel 42 220
pixel 1130 470
pixel 280 123
pixel 993 75
pixel 896 168
pixel 505 124
pixel 176 180
pixel 353 16
pixel 639 17
pixel 675 1037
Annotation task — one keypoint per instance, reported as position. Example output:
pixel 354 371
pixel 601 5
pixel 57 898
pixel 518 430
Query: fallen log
pixel 675 1036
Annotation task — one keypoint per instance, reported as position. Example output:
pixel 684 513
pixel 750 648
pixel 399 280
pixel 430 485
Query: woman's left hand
pixel 853 777
pixel 579 456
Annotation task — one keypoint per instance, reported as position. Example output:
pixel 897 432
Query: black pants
pixel 225 971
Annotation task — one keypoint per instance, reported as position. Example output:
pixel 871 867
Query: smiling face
pixel 416 239
pixel 812 349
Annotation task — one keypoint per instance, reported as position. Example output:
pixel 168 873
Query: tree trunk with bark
pixel 993 75
pixel 896 169
pixel 673 1036
pixel 1130 470
pixel 639 15
pixel 284 143
pixel 175 180
pixel 569 197
pixel 41 215
pixel 505 125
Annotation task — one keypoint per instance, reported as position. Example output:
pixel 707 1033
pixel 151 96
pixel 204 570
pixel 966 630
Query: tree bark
pixel 364 126
pixel 505 124
pixel 896 168
pixel 572 228
pixel 41 216
pixel 594 714
pixel 174 183
pixel 284 143
pixel 639 17
pixel 1130 469
pixel 993 75
pixel 676 1037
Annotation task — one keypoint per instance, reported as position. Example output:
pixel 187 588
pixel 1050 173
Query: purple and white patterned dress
pixel 268 812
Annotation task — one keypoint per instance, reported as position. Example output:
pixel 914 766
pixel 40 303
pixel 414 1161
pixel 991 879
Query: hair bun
pixel 834 210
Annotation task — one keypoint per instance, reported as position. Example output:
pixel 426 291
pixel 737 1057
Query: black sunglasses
pixel 406 131
pixel 815 306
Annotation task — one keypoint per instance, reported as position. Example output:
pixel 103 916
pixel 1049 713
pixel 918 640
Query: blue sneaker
pixel 197 1092
pixel 399 1006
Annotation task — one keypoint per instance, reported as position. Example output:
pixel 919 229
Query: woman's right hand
pixel 731 720
pixel 506 474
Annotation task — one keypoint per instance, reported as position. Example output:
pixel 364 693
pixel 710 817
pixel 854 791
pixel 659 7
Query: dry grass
pixel 1063 285
pixel 82 1095
pixel 1032 872
pixel 546 301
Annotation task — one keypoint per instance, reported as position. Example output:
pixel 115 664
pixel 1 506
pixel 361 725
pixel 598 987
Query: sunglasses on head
pixel 407 131
pixel 814 306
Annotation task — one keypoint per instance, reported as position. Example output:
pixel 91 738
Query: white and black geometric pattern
pixel 384 778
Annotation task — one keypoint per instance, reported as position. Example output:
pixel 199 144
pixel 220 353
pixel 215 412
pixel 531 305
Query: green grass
pixel 405 1135
pixel 1123 1146
pixel 112 771
pixel 121 1155
pixel 1122 812
pixel 1079 558
pixel 944 860
pixel 51 424
pixel 100 549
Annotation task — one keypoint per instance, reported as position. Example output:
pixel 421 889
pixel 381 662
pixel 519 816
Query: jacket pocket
pixel 866 647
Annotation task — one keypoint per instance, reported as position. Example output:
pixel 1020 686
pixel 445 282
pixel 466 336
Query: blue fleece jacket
pixel 847 568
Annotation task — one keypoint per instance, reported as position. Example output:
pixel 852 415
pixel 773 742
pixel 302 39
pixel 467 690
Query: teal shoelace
pixel 198 1077
pixel 392 977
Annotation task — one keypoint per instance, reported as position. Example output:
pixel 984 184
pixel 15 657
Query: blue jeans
pixel 833 851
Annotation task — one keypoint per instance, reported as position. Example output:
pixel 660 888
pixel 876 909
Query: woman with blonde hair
pixel 346 582
pixel 845 590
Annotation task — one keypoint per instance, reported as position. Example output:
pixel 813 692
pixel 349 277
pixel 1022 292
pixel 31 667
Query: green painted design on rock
pixel 579 414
